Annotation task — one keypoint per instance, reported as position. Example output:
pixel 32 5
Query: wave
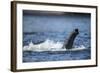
pixel 50 45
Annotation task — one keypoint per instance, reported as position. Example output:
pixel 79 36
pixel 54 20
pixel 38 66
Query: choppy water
pixel 41 45
pixel 38 48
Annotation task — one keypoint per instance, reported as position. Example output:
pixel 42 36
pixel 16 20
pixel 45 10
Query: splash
pixel 49 45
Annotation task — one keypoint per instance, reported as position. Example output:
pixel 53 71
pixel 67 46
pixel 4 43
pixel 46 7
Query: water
pixel 45 44
pixel 48 47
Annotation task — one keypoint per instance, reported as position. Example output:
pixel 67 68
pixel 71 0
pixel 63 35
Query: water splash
pixel 50 45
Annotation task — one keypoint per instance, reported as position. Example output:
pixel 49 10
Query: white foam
pixel 49 45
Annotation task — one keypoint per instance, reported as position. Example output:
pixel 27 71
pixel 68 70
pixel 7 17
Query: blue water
pixel 36 31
